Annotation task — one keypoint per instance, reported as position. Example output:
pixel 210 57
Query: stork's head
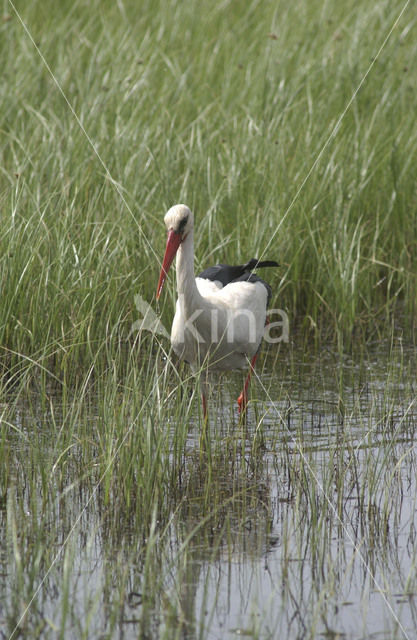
pixel 179 221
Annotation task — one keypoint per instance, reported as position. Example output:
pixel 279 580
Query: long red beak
pixel 173 242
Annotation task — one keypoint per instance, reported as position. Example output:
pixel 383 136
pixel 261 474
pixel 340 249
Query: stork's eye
pixel 182 224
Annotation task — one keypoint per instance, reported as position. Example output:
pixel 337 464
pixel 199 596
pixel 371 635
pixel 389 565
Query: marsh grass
pixel 227 111
pixel 134 527
pixel 118 518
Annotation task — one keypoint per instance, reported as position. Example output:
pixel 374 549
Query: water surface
pixel 300 524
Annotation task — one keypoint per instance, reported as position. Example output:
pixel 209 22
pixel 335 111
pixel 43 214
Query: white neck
pixel 186 284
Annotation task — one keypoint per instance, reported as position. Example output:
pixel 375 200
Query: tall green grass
pixel 225 108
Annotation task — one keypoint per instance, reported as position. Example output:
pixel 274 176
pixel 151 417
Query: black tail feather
pixel 225 273
pixel 254 263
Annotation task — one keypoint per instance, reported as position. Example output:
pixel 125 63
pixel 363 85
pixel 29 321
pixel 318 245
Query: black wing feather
pixel 226 274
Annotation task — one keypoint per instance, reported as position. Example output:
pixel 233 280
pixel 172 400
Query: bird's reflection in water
pixel 223 518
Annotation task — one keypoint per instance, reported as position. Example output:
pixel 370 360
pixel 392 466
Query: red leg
pixel 242 400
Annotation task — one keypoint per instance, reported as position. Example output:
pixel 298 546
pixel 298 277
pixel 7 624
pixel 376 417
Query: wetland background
pixel 114 521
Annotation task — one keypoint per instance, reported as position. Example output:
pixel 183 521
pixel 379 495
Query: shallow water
pixel 306 530
pixel 358 580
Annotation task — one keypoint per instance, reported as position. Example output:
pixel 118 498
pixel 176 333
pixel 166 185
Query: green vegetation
pixel 118 515
pixel 225 108
pixel 129 529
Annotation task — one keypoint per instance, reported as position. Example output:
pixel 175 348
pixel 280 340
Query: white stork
pixel 220 314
